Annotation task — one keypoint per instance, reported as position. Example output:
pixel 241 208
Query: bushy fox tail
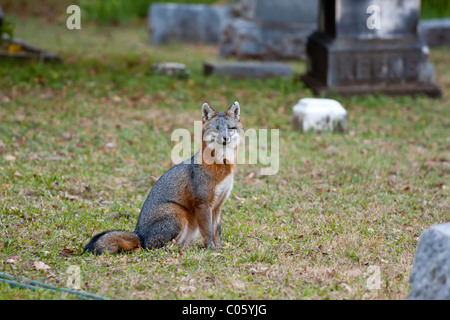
pixel 112 242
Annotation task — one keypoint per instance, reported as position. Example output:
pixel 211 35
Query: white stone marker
pixel 318 114
pixel 169 68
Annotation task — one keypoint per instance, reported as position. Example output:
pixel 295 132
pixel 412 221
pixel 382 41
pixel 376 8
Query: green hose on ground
pixel 33 285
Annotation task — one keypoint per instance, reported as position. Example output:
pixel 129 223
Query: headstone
pixel 280 11
pixel 170 68
pixel 436 32
pixel 430 276
pixel 240 70
pixel 189 23
pixel 368 46
pixel 318 115
pixel 269 30
pixel 1 17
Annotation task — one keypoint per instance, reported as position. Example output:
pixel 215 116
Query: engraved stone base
pixel 354 66
pixel 318 88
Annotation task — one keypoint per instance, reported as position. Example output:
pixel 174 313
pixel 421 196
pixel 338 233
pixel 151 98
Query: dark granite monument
pixel 368 46
pixel 269 29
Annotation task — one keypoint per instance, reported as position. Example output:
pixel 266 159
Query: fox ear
pixel 234 111
pixel 207 112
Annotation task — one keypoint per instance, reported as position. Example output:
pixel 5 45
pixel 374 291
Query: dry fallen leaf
pixel 259 270
pixel 237 284
pixel 66 252
pixel 116 99
pixel 353 273
pixel 187 288
pixel 10 157
pixel 39 265
pixel 408 227
pixel 110 145
pixel 13 260
pixel 71 197
pixel 67 135
pixel 346 287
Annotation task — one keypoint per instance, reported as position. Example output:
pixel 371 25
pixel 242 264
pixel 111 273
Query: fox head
pixel 221 133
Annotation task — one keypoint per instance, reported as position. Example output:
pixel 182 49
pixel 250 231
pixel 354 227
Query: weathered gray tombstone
pixel 269 30
pixel 368 46
pixel 189 23
pixel 247 69
pixel 280 11
pixel 436 32
pixel 430 276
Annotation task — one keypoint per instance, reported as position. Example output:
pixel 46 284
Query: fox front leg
pixel 204 218
pixel 217 228
pixel 217 236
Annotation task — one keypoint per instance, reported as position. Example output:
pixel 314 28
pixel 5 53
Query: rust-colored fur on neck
pixel 219 170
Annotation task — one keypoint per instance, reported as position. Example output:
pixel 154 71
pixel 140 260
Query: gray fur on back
pixel 155 222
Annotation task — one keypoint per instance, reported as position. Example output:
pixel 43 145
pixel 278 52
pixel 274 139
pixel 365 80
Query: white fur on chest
pixel 223 189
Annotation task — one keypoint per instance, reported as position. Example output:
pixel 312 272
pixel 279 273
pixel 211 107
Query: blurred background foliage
pixel 98 11
pixel 122 11
pixel 119 11
pixel 435 9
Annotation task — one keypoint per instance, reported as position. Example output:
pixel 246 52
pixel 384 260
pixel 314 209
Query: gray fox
pixel 187 198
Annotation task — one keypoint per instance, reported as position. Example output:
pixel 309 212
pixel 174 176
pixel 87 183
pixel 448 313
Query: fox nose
pixel 225 140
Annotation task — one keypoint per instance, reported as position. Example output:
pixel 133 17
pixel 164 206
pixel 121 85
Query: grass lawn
pixel 82 143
